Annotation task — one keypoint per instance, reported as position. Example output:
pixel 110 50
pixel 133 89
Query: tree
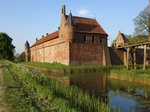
pixel 20 58
pixel 6 47
pixel 113 43
pixel 137 38
pixel 142 22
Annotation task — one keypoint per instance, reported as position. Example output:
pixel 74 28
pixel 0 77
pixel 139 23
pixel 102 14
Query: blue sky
pixel 30 19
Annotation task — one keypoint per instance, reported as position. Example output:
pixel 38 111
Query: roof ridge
pixel 82 17
pixel 41 40
pixel 48 35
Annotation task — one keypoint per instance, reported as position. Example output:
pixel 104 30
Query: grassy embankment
pixel 16 96
pixel 54 67
pixel 32 91
pixel 135 76
pixel 116 71
pixel 60 68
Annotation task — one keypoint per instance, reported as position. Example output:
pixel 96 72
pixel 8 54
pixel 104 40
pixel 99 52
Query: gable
pixel 121 38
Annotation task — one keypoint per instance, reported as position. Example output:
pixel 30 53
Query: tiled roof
pixel 46 38
pixel 83 25
pixel 124 38
pixel 88 25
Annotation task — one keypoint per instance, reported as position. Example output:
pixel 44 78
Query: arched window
pixel 84 38
pixel 93 39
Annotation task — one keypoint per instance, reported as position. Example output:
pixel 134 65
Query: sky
pixel 30 19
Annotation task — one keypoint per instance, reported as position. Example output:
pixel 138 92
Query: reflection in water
pixel 97 84
pixel 137 96
pixel 122 101
pixel 121 94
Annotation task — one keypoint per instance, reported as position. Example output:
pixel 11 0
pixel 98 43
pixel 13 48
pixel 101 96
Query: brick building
pixel 121 40
pixel 78 41
pixel 119 56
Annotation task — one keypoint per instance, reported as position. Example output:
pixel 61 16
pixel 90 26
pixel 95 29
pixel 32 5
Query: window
pixel 62 11
pixel 100 39
pixel 93 39
pixel 84 38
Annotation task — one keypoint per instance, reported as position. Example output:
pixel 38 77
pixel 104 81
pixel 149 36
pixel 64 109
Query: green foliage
pixel 58 66
pixel 136 76
pixel 113 42
pixel 51 95
pixel 20 100
pixel 6 47
pixel 20 58
pixel 138 38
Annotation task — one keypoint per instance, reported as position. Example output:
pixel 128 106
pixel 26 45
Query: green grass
pixel 127 86
pixel 135 76
pixel 16 95
pixel 44 94
pixel 58 66
pixel 33 96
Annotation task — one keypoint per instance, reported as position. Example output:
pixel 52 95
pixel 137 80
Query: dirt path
pixel 2 92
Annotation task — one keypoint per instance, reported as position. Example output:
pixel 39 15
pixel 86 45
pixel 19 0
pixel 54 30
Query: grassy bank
pixel 16 96
pixel 60 68
pixel 135 76
pixel 40 93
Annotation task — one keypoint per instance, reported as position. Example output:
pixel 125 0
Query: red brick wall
pixel 76 52
pixel 51 51
pixel 140 55
pixel 116 56
pixel 87 53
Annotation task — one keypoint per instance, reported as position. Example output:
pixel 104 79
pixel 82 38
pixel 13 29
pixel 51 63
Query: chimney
pixel 42 36
pixel 63 15
pixel 63 10
pixel 47 34
pixel 36 39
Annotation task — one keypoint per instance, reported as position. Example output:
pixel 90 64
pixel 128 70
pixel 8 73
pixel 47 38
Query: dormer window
pixel 93 39
pixel 84 38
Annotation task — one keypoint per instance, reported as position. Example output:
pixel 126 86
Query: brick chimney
pixel 63 15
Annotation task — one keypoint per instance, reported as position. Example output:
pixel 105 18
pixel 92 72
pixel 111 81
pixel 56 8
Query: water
pixel 120 94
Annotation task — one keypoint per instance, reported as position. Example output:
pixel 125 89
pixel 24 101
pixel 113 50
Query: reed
pixel 135 76
pixel 54 94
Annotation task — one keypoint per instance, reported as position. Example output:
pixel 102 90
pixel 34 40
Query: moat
pixel 120 94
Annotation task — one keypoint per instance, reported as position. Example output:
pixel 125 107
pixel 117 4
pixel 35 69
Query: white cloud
pixel 85 12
